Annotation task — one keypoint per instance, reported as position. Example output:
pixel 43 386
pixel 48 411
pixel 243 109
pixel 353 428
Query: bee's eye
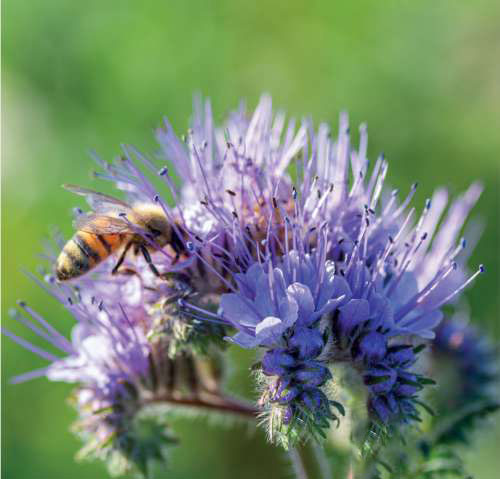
pixel 155 232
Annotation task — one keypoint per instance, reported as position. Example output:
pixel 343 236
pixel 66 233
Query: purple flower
pixel 276 362
pixel 279 307
pixel 273 300
pixel 474 359
pixel 120 374
pixel 324 266
pixel 377 241
pixel 333 244
pixel 371 347
pixel 237 199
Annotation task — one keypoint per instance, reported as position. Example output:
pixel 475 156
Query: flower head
pixel 396 271
pixel 319 267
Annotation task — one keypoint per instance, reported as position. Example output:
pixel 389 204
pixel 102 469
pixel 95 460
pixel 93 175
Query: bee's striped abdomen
pixel 86 247
pixel 84 251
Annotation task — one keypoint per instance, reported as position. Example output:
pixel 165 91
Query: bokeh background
pixel 90 75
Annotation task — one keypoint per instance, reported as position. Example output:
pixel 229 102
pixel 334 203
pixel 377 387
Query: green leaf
pixel 460 426
pixel 424 380
pixel 425 406
pixel 340 408
pixel 419 348
pixel 371 380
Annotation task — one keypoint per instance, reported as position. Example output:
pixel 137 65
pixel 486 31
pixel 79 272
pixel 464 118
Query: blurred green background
pixel 89 75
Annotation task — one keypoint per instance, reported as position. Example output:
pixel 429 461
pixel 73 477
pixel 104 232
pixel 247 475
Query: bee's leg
pixel 177 251
pixel 132 272
pixel 122 257
pixel 177 257
pixel 148 259
pixel 128 272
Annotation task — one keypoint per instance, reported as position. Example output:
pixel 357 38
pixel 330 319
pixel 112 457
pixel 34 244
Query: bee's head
pixel 159 229
pixel 154 222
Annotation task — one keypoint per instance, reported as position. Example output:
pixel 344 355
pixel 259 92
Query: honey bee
pixel 113 226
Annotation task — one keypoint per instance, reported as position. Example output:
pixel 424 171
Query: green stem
pixel 309 462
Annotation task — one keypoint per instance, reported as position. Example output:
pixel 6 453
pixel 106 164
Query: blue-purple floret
pixel 393 396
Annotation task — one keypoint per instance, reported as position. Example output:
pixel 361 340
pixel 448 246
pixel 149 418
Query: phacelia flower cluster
pixel 111 361
pixel 474 358
pixel 120 359
pixel 282 239
pixel 464 362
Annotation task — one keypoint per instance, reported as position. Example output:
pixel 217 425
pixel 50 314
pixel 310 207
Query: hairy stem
pixel 219 403
pixel 308 462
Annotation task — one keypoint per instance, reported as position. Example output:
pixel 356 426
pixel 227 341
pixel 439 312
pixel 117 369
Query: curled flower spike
pixel 279 307
pixel 474 358
pixel 464 359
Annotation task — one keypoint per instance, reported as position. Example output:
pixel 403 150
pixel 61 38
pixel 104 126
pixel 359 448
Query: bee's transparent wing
pixel 100 202
pixel 101 224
